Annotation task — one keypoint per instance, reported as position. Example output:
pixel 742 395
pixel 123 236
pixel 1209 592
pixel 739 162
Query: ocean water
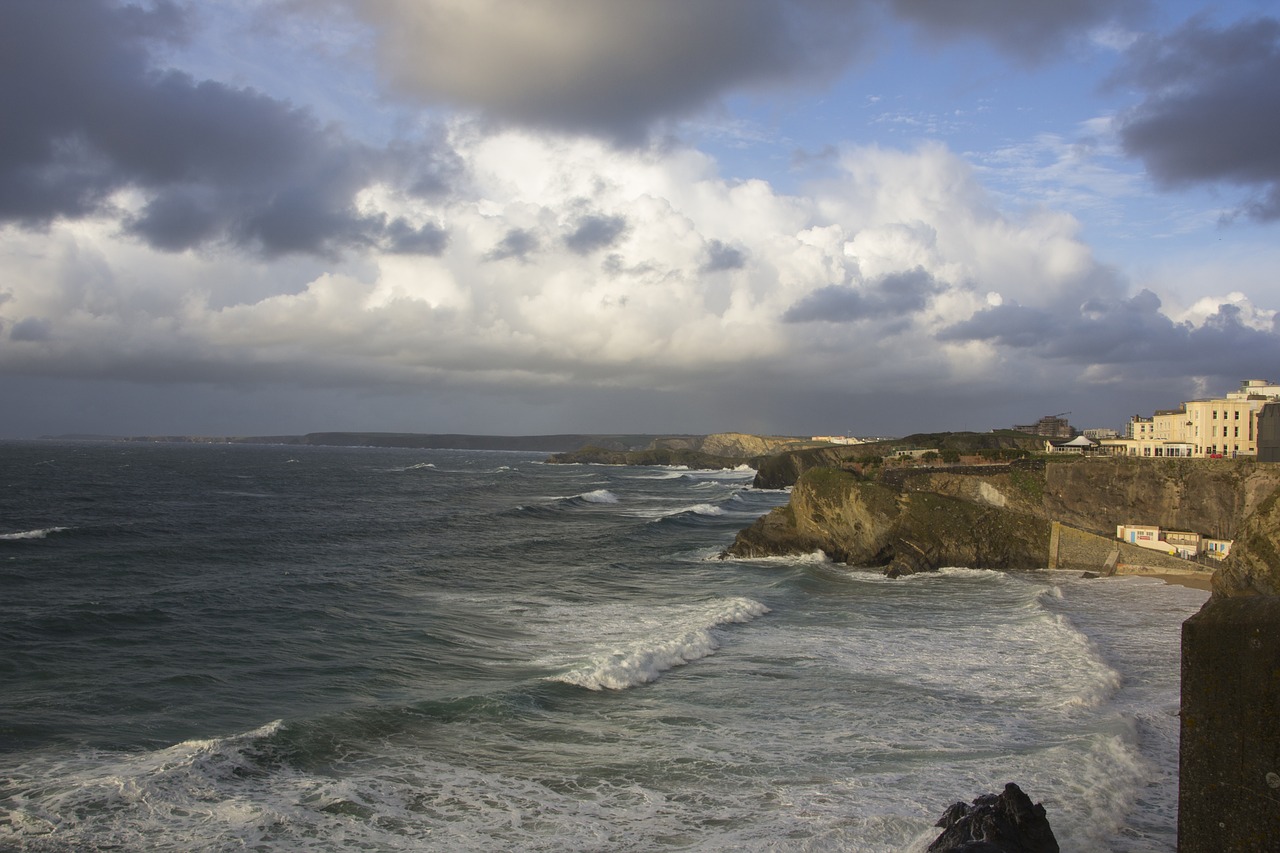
pixel 292 648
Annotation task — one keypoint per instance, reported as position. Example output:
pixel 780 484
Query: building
pixel 1079 444
pixel 1100 433
pixel 1053 426
pixel 837 439
pixel 1215 428
pixel 1179 543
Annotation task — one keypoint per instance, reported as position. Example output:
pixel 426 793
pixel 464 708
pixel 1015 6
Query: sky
pixel 866 217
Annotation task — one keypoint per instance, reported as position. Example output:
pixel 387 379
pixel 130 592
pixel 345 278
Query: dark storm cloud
pixel 610 68
pixel 892 296
pixel 722 256
pixel 617 68
pixel 1030 32
pixel 1126 332
pixel 427 239
pixel 1211 111
pixel 85 115
pixel 31 329
pixel 594 232
pixel 518 244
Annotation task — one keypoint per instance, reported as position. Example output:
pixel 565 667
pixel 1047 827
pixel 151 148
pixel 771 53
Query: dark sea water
pixel 290 648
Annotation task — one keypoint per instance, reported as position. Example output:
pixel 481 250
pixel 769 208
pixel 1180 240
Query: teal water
pixel 274 648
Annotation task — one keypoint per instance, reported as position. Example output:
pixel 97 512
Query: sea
pixel 210 647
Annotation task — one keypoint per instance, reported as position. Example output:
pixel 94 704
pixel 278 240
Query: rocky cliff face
pixel 864 523
pixel 1253 567
pixel 737 445
pixel 998 516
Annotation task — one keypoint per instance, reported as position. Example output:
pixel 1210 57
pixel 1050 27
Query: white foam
pixel 125 801
pixel 814 558
pixel 33 534
pixel 641 659
pixel 599 496
pixel 696 509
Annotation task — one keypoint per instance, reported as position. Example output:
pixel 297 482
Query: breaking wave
pixel 643 659
pixel 41 533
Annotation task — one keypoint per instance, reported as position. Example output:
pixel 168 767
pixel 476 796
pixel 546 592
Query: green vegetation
pixel 1030 482
pixel 831 485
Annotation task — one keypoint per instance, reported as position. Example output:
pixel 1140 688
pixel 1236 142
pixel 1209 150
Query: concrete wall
pixel 1078 549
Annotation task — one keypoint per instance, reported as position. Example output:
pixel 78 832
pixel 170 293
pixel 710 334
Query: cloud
pixel 88 117
pixel 1211 109
pixel 890 297
pixel 618 69
pixel 593 232
pixel 1030 32
pixel 31 329
pixel 638 269
pixel 1130 334
pixel 722 257
pixel 610 68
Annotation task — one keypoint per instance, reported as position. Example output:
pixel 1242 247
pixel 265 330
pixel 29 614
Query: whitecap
pixel 640 660
pixel 40 533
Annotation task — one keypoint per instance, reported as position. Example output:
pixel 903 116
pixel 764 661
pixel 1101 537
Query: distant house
pixel 1181 543
pixel 837 439
pixel 914 453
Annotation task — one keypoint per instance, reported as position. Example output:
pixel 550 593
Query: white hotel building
pixel 1219 427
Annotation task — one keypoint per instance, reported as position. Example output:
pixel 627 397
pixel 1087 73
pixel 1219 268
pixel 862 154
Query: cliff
pixel 1253 567
pixel 784 467
pixel 998 516
pixel 865 523
pixel 652 456
pixel 737 445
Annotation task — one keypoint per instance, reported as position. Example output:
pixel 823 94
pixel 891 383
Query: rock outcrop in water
pixel 1007 822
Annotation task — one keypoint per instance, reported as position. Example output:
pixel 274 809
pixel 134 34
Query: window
pixel 1237 433
pixel 1215 414
pixel 1237 417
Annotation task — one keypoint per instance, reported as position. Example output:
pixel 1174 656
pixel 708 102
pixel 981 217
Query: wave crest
pixel 642 661
pixel 41 533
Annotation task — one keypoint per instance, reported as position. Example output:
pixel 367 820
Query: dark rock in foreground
pixel 996 823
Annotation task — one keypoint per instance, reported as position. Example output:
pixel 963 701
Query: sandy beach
pixel 1193 579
